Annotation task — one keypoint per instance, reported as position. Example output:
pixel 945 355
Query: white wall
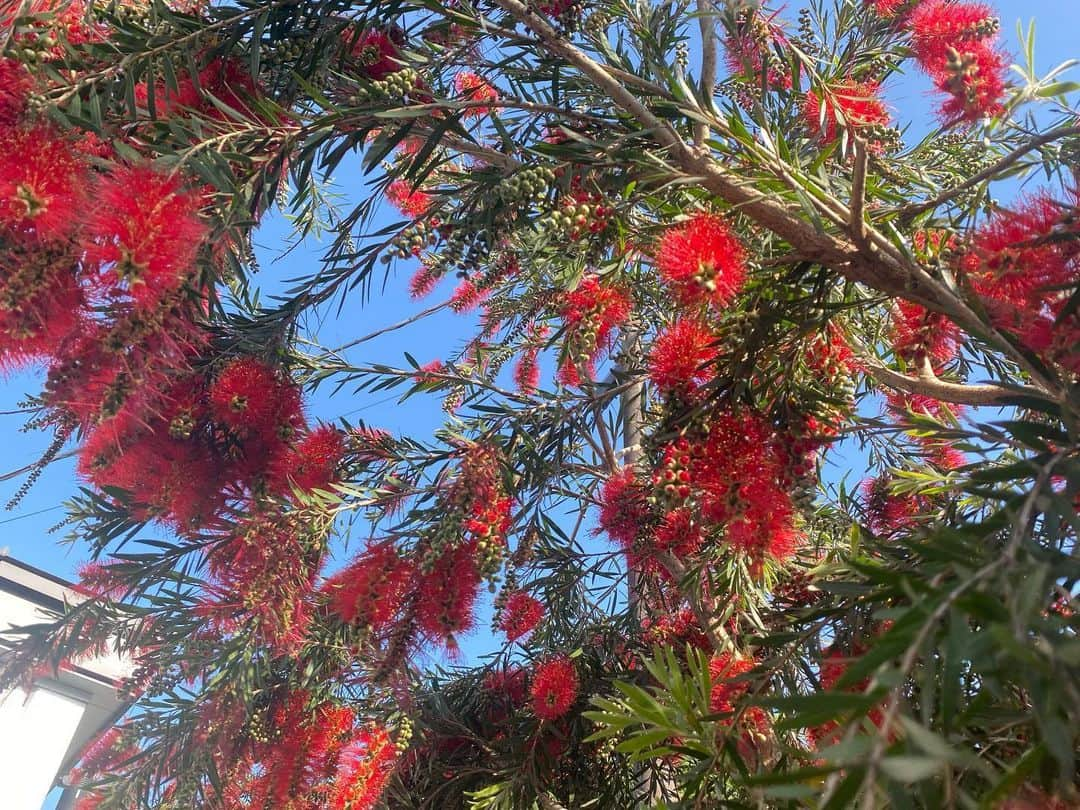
pixel 35 731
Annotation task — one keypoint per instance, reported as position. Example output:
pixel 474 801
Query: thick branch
pixel 707 24
pixel 932 386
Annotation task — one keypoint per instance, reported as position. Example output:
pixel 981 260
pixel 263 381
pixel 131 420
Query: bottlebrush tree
pixel 711 281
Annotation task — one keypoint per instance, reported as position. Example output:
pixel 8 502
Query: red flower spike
pixel 847 105
pixel 702 261
pixel 312 464
pixel 144 234
pixel 890 9
pixel 249 397
pixel 937 26
pixel 681 357
pixel 448 594
pixel 918 333
pixel 728 687
pixel 750 49
pixel 591 313
pixel 624 508
pixel 408 200
pixel 521 613
pixel 42 182
pixel 474 88
pixel 554 688
pixel 975 78
pixel 371 590
pixel 364 767
pixel 15 85
pixel 375 54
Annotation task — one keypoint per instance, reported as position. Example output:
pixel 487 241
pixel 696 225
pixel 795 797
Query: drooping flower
pixel 975 80
pixel 370 591
pixel 728 685
pixel 591 314
pixel 702 261
pixel 554 688
pixel 520 615
pixel 624 507
pixel 313 463
pixel 954 42
pixel 749 51
pixel 15 86
pixel 144 233
pixel 251 398
pixel 364 767
pixel 681 356
pixel 938 25
pixel 841 105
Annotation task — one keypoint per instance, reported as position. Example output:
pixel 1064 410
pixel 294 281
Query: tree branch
pixel 956 393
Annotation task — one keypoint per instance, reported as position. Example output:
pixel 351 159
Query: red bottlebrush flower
pixel 937 26
pixel 105 755
pixel 726 670
pixel 448 594
pixel 554 688
pixel 1013 263
pixel 313 463
pixel 521 613
pixel 424 281
pixel 264 576
pixel 41 301
pixel 845 104
pixel 511 683
pixel 375 54
pixel 474 89
pixel 99 579
pixel 168 101
pixel 251 398
pixel 974 77
pixel 889 8
pixel 527 368
pixel 370 590
pixel 918 333
pixel 679 533
pixel 833 666
pixel 591 313
pixel 364 768
pixel 42 182
pixel 889 512
pixel 681 357
pixel 467 296
pixel 749 51
pixel 145 233
pixel 676 630
pixel 702 261
pixel 409 201
pixel 624 508
pixel 900 404
pixel 15 85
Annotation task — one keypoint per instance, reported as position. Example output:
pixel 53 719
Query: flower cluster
pixel 702 261
pixel 845 105
pixel 956 44
pixel 1024 265
pixel 591 314
pixel 520 615
pixel 554 688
